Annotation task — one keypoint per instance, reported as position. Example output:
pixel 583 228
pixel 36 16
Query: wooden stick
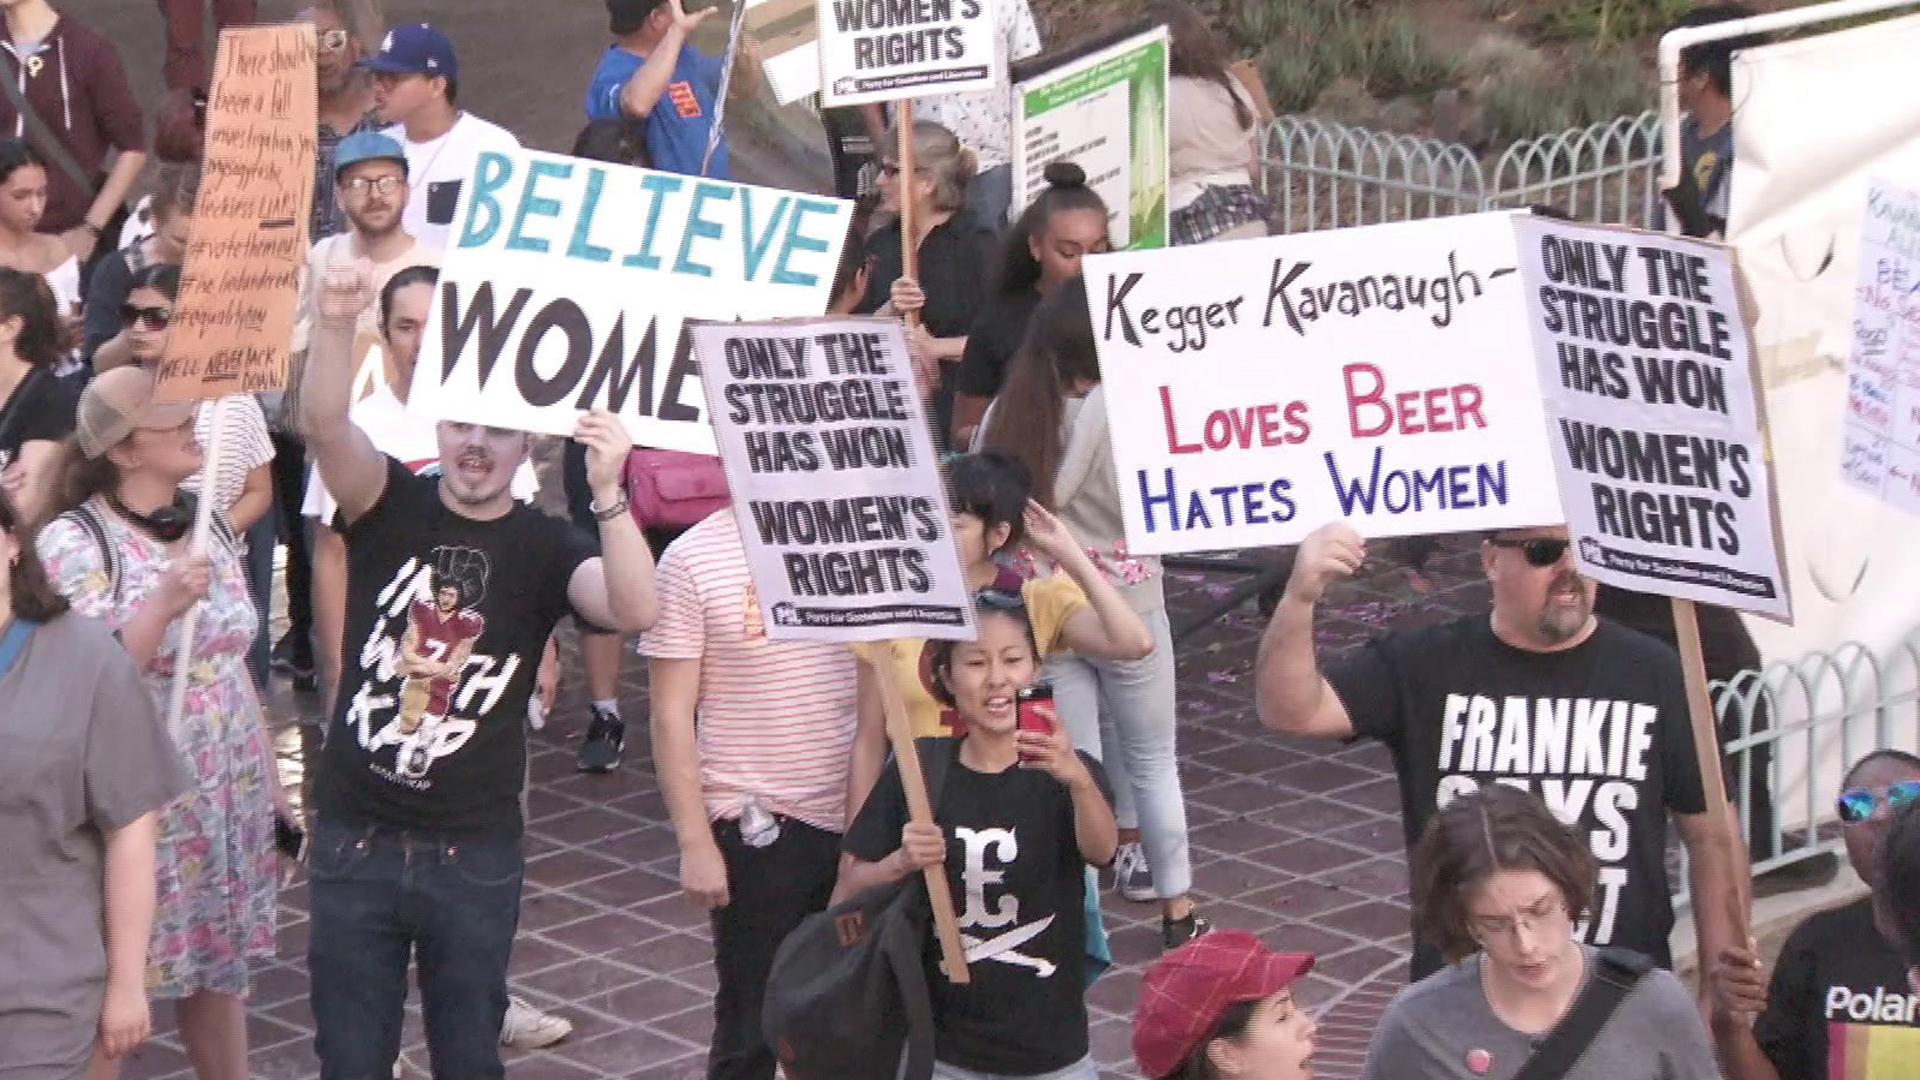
pixel 946 927
pixel 202 532
pixel 1706 744
pixel 909 249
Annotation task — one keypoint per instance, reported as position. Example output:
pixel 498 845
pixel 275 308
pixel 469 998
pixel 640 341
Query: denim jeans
pixel 260 540
pixel 1138 695
pixel 1079 1070
pixel 381 897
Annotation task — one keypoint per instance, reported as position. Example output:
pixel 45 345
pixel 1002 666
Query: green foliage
pixel 1307 44
pixel 1596 87
pixel 1295 73
pixel 1398 59
pixel 1603 23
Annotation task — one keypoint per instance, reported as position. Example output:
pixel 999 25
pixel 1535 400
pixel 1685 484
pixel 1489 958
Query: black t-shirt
pixel 442 751
pixel 1600 732
pixel 1839 1007
pixel 955 260
pixel 1725 644
pixel 1018 881
pixel 41 408
pixel 995 337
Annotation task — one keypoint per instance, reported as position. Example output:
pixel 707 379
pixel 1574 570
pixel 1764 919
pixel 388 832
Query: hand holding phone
pixel 1034 715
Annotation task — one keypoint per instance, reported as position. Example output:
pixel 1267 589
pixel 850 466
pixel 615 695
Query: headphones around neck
pixel 167 524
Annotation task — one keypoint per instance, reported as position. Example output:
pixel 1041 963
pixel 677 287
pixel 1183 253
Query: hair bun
pixel 1065 174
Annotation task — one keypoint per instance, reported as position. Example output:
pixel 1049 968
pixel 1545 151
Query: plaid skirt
pixel 1214 212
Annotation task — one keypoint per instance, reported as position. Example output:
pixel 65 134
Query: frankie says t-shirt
pixel 443 750
pixel 1599 732
pixel 1839 1007
pixel 1017 878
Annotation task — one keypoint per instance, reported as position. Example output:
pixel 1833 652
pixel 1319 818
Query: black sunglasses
pixel 1001 599
pixel 1539 550
pixel 153 318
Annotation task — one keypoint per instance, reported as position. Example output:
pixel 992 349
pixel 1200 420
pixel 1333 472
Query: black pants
pixel 770 890
pixel 289 492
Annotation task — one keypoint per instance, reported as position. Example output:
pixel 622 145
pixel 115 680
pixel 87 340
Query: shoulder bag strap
pixel 89 518
pixel 43 137
pixel 1614 976
pixel 11 642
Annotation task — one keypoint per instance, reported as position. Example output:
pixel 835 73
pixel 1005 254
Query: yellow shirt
pixel 1051 601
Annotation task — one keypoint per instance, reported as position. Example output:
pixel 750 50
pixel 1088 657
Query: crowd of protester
pixel 425 596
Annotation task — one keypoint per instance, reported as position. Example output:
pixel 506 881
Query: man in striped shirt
pixel 758 792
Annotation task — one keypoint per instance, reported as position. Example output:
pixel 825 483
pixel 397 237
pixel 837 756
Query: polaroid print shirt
pixel 1599 731
pixel 1839 1006
pixel 446 620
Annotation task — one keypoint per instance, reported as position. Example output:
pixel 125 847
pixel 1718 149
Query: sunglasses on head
pixel 1857 806
pixel 1001 600
pixel 153 318
pixel 1538 551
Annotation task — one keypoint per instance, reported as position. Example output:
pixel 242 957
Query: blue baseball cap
pixel 368 146
pixel 414 49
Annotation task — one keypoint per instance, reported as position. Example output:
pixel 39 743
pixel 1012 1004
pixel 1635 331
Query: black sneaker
pixel 293 657
pixel 1177 932
pixel 606 739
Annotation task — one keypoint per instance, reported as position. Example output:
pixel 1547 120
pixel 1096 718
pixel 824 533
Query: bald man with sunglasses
pixel 1541 694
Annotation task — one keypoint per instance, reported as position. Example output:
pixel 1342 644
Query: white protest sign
pixel 834 479
pixel 1880 448
pixel 569 280
pixel 1381 375
pixel 1647 370
pixel 885 50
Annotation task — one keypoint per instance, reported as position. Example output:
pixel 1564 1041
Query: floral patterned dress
pixel 217 889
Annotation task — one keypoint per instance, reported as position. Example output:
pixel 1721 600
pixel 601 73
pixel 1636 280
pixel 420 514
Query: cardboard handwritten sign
pixel 1880 453
pixel 834 478
pixel 1647 371
pixel 885 50
pixel 235 315
pixel 1381 375
pixel 569 281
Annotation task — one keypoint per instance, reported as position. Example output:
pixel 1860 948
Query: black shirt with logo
pixel 1599 731
pixel 1839 1006
pixel 441 747
pixel 1018 883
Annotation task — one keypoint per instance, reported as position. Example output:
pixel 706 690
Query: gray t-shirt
pixel 1436 1025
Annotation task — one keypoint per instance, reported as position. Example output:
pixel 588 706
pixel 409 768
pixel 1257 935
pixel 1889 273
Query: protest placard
pixel 787 35
pixel 1646 368
pixel 886 50
pixel 234 317
pixel 569 282
pixel 834 479
pixel 1103 107
pixel 1381 375
pixel 1880 449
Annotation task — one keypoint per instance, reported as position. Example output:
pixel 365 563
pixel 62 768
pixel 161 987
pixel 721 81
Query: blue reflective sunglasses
pixel 1857 806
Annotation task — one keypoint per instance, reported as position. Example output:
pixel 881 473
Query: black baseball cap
pixel 626 16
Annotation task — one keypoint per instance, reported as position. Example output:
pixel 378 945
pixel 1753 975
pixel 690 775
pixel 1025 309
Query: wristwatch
pixel 611 512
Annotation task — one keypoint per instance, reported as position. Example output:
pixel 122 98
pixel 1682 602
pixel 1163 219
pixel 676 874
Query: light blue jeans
pixel 1079 1070
pixel 1138 697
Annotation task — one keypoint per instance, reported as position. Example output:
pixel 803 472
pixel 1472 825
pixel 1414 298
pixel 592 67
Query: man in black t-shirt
pixel 452 590
pixel 1542 695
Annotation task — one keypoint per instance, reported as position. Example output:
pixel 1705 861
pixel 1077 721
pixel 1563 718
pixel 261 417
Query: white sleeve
pixel 1023 33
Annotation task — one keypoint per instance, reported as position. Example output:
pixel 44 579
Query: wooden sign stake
pixel 1706 744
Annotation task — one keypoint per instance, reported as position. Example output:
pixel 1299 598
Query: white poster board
pixel 1647 373
pixel 835 481
pixel 569 280
pixel 885 50
pixel 787 34
pixel 1881 451
pixel 1382 375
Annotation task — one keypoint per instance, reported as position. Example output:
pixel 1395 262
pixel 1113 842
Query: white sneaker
pixel 527 1028
pixel 1131 875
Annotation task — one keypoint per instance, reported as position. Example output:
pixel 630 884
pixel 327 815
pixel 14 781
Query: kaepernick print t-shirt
pixel 1839 1006
pixel 446 619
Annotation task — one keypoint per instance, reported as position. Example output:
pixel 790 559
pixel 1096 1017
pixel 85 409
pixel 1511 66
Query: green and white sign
pixel 1105 110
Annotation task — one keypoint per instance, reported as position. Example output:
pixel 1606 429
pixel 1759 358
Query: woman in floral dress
pixel 120 553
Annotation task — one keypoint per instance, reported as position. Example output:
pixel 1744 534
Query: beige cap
pixel 119 402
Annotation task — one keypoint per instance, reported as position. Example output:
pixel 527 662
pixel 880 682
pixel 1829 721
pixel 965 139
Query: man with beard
pixel 417 857
pixel 1542 695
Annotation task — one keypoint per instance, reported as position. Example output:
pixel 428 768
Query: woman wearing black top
pixel 1066 222
pixel 954 253
pixel 36 405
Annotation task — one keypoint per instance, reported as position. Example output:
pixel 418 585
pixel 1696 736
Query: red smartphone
pixel 1030 718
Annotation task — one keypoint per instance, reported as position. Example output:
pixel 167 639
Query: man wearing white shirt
pixel 415 86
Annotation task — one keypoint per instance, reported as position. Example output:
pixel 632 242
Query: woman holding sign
pixel 1053 416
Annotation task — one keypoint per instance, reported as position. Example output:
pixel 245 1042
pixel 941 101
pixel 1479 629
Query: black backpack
pixel 848 990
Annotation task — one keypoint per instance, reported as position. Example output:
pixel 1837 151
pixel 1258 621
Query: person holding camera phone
pixel 1021 815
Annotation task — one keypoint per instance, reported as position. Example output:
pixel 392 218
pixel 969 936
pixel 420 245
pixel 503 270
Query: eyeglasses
pixel 333 41
pixel 152 318
pixel 1543 910
pixel 1858 805
pixel 1538 550
pixel 1001 600
pixel 379 185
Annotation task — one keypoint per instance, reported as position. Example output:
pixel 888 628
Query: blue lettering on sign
pixel 491 171
pixel 1260 502
pixel 581 247
pixel 782 274
pixel 1398 491
pixel 660 186
pixel 751 252
pixel 533 205
pixel 700 228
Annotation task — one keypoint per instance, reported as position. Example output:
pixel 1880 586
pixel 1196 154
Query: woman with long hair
pixel 1499 884
pixel 1021 816
pixel 1052 415
pixel 1210 151
pixel 120 550
pixel 36 403
pixel 88 769
pixel 23 202
pixel 954 251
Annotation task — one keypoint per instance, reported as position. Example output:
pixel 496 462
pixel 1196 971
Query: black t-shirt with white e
pixel 442 748
pixel 1599 731
pixel 1017 878
pixel 1839 1007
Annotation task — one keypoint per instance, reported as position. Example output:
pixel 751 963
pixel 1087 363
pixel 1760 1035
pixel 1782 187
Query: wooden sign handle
pixel 1706 744
pixel 909 249
pixel 946 927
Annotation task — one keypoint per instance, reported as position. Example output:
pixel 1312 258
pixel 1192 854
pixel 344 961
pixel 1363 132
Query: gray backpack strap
pixel 87 516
